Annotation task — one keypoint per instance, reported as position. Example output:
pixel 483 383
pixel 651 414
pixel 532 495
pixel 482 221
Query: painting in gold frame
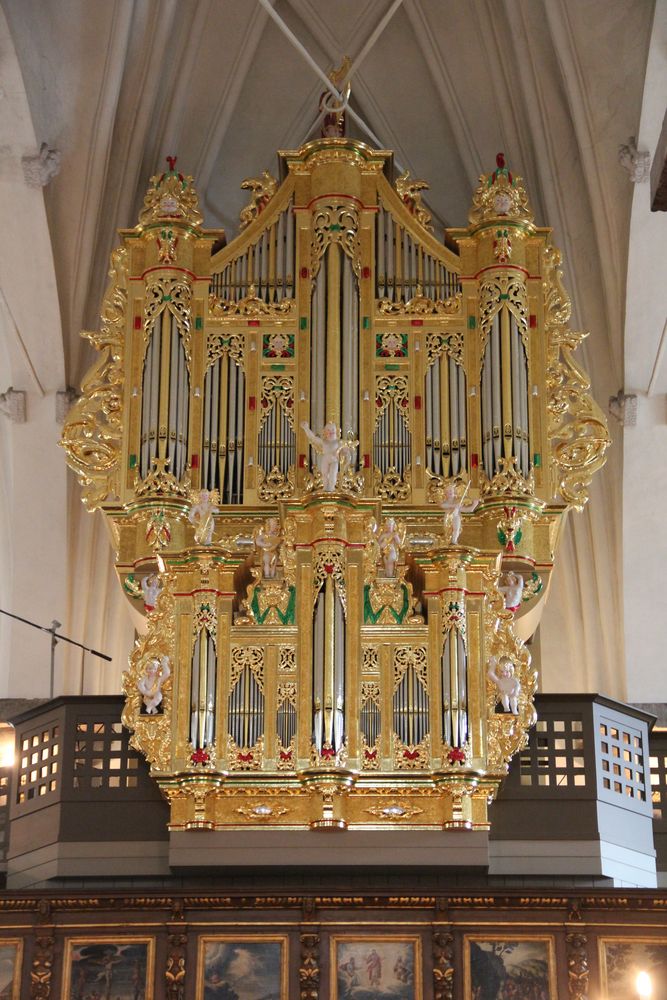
pixel 11 958
pixel 491 963
pixel 376 967
pixel 621 959
pixel 243 967
pixel 118 967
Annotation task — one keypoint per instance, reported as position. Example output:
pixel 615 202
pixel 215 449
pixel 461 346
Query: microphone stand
pixel 55 639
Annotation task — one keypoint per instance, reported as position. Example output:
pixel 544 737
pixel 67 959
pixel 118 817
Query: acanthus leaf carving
pixel 93 430
pixel 577 426
pixel 335 223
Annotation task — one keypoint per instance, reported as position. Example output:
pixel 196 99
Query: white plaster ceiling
pixel 116 85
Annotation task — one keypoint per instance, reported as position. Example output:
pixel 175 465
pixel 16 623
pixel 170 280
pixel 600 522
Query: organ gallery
pixel 335 456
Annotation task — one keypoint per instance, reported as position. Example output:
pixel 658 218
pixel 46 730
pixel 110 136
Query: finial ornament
pixel 171 196
pixel 500 195
pixel 333 122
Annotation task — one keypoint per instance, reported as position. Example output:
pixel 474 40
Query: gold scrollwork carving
pixel 247 656
pixel 496 292
pixel 286 659
pixel 577 426
pixel 394 811
pixel 245 758
pixel 508 480
pixel 410 656
pixel 370 660
pixel 421 305
pixel 329 560
pixel 161 483
pixel 392 486
pixel 275 485
pixel 444 343
pixel 392 389
pixel 219 344
pixel 151 734
pixel 175 296
pixel 205 617
pixel 507 732
pixel 249 305
pixel 335 223
pixel 261 811
pixel 93 429
pixel 409 757
pixel 277 390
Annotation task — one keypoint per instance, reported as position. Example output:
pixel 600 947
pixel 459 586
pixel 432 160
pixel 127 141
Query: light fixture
pixel 643 984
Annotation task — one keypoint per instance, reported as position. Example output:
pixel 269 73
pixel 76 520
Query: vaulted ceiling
pixel 116 85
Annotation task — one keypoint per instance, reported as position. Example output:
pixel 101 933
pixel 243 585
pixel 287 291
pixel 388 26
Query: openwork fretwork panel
pixel 622 756
pixel 555 755
pixel 658 762
pixel 103 758
pixel 39 764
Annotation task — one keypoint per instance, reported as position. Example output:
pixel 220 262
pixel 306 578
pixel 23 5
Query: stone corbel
pixel 636 162
pixel 65 399
pixel 40 169
pixel 13 405
pixel 623 408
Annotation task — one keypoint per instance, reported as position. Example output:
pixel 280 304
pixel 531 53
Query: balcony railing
pixel 588 796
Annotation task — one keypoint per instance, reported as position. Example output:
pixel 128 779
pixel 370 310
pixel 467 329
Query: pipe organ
pixel 336 454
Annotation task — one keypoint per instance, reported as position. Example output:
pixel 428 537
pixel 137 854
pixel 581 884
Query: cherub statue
pixel 453 505
pixel 151 682
pixel 390 541
pixel 511 587
pixel 501 672
pixel 201 515
pixel 151 589
pixel 329 448
pixel 268 540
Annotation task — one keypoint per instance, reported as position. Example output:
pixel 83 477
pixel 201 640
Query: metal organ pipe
pixel 318 351
pixel 338 672
pixel 165 398
pixel 505 396
pixel 351 346
pixel 202 690
pixel 445 417
pixel 318 657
